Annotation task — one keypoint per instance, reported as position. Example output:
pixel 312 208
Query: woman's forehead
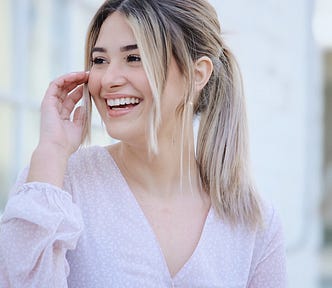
pixel 116 31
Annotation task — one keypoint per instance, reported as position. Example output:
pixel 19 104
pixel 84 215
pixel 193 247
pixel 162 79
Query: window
pixel 42 39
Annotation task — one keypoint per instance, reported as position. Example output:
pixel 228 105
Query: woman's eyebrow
pixel 129 48
pixel 98 49
pixel 122 49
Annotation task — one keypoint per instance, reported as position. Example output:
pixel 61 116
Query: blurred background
pixel 284 49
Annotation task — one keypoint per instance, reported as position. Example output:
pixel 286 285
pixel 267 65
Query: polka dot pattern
pixel 94 234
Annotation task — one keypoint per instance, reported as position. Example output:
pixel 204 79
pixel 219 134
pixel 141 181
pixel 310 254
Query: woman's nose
pixel 113 76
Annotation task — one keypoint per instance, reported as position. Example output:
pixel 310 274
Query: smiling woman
pixel 149 211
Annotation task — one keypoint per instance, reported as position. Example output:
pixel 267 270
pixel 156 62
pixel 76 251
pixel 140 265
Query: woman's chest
pixel 177 230
pixel 120 249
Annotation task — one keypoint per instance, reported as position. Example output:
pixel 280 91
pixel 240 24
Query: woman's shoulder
pixel 269 235
pixel 88 151
pixel 88 161
pixel 89 167
pixel 269 253
pixel 88 157
pixel 270 217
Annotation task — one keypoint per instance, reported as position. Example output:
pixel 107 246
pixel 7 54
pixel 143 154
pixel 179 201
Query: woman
pixel 149 211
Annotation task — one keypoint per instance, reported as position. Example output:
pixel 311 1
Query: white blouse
pixel 94 234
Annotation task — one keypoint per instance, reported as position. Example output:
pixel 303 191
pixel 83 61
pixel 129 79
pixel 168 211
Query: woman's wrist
pixel 48 164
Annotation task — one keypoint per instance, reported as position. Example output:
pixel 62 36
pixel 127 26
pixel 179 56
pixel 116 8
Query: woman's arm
pixel 39 225
pixel 41 222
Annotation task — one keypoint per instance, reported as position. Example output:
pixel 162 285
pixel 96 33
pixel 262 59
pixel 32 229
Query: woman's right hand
pixel 60 134
pixel 58 131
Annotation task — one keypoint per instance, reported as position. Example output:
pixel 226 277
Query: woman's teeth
pixel 122 101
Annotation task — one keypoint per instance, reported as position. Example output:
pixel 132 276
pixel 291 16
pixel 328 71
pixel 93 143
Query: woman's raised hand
pixel 60 134
pixel 58 129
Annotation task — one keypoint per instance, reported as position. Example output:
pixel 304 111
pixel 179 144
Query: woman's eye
pixel 133 58
pixel 98 60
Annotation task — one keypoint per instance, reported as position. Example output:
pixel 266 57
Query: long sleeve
pixel 40 223
pixel 270 269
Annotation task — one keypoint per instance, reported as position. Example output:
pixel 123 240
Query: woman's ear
pixel 202 72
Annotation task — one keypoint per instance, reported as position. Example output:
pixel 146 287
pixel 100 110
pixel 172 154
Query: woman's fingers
pixel 70 101
pixel 60 87
pixel 79 116
pixel 62 94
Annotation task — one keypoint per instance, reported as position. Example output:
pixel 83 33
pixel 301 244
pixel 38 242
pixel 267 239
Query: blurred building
pixel 323 31
pixel 284 50
pixel 41 39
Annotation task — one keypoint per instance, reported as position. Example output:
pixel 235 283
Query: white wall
pixel 280 65
pixel 272 41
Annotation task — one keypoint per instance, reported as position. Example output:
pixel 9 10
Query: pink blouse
pixel 94 234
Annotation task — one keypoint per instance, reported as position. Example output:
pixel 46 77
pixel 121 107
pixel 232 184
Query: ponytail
pixel 222 145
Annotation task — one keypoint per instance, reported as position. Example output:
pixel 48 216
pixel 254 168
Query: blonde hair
pixel 189 30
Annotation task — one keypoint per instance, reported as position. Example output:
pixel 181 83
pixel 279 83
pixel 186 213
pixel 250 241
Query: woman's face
pixel 120 88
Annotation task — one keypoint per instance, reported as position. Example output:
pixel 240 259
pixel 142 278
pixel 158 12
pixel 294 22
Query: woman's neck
pixel 163 175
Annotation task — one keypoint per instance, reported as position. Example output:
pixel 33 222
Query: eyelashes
pixel 99 61
pixel 132 58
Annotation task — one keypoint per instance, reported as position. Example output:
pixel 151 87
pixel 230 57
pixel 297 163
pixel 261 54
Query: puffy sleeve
pixel 270 257
pixel 40 223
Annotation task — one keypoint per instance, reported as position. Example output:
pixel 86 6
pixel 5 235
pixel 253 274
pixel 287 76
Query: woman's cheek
pixel 93 83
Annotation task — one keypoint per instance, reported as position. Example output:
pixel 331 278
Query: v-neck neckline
pixel 152 235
